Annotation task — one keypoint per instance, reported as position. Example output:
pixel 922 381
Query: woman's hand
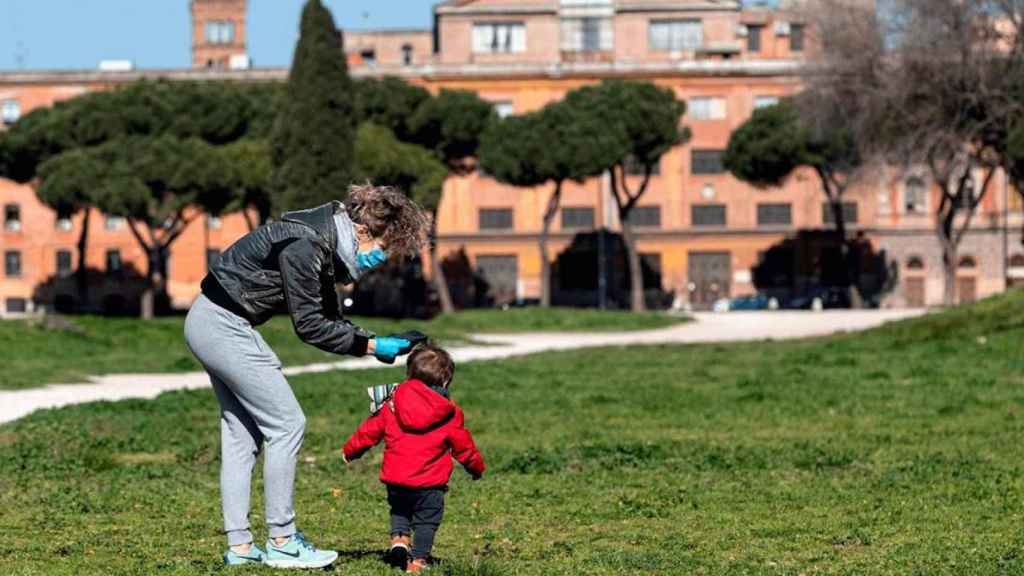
pixel 387 348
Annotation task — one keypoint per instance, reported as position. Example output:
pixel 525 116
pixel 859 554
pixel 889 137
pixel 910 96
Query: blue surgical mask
pixel 370 259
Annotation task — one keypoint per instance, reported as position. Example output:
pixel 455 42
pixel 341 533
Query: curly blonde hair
pixel 390 217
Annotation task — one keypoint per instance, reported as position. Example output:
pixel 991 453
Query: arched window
pixel 968 262
pixel 915 195
pixel 915 263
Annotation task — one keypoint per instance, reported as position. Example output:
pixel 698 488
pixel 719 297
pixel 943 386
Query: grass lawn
pixel 116 345
pixel 893 452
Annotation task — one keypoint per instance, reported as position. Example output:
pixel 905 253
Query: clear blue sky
pixel 63 34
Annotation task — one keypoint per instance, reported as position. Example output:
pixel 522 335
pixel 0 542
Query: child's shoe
pixel 398 556
pixel 418 565
pixel 253 556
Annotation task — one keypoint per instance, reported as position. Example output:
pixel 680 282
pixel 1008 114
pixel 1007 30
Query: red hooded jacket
pixel 419 428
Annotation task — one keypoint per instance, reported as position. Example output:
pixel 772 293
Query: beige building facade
pixel 699 229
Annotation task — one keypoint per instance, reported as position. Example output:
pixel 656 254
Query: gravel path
pixel 732 327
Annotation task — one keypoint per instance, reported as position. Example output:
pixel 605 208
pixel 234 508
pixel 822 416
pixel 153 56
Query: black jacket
pixel 290 266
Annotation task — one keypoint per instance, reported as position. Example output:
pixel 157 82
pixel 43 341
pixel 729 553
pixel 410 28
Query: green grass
pixel 895 452
pixel 96 345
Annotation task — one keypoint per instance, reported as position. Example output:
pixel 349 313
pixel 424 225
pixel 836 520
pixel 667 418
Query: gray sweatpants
pixel 257 408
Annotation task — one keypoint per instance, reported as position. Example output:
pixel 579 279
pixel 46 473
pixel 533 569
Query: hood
pixel 319 219
pixel 347 244
pixel 322 219
pixel 418 408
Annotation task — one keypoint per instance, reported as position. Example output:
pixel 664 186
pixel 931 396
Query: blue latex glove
pixel 367 261
pixel 388 347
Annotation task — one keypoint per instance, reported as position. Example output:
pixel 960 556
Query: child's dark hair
pixel 430 364
pixel 390 216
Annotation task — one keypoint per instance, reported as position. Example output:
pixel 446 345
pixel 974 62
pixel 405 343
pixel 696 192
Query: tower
pixel 219 34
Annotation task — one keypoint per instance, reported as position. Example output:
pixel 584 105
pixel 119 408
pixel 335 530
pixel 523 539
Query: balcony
pixel 588 56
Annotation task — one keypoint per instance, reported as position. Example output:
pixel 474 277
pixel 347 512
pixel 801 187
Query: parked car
pixel 759 301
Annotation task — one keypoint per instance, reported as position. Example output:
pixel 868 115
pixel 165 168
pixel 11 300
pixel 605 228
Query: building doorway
pixel 709 276
pixel 967 289
pixel 914 292
pixel 502 273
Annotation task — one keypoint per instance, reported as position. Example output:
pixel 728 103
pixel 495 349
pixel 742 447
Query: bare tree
pixel 926 83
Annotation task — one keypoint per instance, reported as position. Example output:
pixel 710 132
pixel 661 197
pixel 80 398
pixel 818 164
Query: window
pixel 849 213
pixel 646 216
pixel 754 38
pixel 915 263
pixel 706 108
pixel 504 109
pixel 113 223
pixel 499 37
pixel 214 223
pixel 407 54
pixel 765 101
pixel 63 224
pixel 114 264
pixel 212 255
pixel 369 56
pixel 968 262
pixel 220 32
pixel 63 263
pixel 577 217
pixel 707 214
pixel 796 37
pixel 587 34
pixel 774 214
pixel 675 35
pixel 915 195
pixel 706 162
pixel 635 168
pixel 12 217
pixel 12 263
pixel 17 305
pixel 10 111
pixel 495 218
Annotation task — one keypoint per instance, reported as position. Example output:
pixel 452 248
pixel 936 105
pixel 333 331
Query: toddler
pixel 420 427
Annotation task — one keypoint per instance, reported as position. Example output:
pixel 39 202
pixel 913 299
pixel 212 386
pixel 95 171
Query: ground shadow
pixel 360 554
pixel 813 261
pixel 468 286
pixel 576 274
pixel 397 289
pixel 111 293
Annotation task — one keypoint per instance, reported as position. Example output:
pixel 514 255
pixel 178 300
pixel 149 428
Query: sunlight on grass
pixel 892 452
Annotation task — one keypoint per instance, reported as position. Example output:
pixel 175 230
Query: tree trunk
pixel 949 269
pixel 248 219
pixel 147 305
pixel 636 278
pixel 440 283
pixel 851 270
pixel 834 194
pixel 81 274
pixel 545 262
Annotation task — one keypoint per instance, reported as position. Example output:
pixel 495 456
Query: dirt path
pixel 733 327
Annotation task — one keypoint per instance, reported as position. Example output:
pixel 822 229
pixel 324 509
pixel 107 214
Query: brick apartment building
pixel 700 230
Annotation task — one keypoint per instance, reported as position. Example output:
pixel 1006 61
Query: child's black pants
pixel 416 511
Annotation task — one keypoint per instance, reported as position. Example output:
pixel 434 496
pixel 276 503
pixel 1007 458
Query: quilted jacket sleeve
pixel 301 265
pixel 369 434
pixel 463 448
